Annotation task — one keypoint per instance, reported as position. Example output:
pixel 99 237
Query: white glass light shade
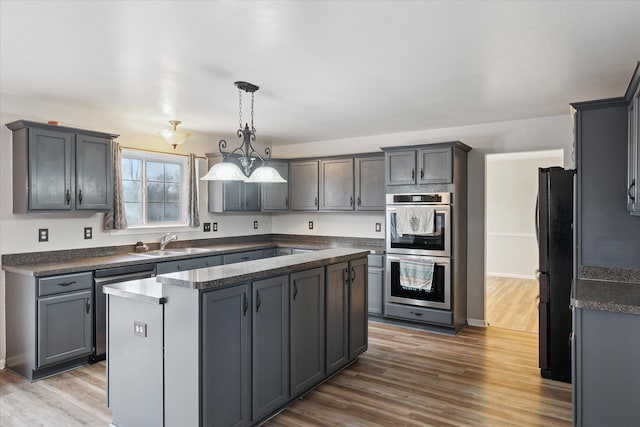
pixel 174 136
pixel 265 174
pixel 224 171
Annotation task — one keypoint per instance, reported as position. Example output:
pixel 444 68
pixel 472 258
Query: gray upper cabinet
pixel 633 183
pixel 369 183
pixel 275 196
pixel 231 196
pixel 400 167
pixel 226 357
pixel 58 168
pixel 336 184
pixel 337 306
pixel 307 329
pixel 435 165
pixel 303 187
pixel 270 341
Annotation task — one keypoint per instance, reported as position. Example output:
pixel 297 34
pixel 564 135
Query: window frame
pixel 150 156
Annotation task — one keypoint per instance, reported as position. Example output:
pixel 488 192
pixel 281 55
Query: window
pixel 154 188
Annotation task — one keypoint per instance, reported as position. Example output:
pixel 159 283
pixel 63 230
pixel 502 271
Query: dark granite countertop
pixel 606 295
pixel 213 277
pixel 78 260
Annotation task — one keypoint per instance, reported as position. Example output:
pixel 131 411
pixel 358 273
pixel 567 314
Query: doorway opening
pixel 511 252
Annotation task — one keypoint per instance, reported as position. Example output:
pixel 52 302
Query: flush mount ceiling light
pixel 245 155
pixel 174 136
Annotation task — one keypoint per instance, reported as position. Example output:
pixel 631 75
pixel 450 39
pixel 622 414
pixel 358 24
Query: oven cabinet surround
pixel 433 168
pixel 231 196
pixel 51 322
pixel 375 278
pixel 275 196
pixel 58 168
pixel 238 353
pixel 606 375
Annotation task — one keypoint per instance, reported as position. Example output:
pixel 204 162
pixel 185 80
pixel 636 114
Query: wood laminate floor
pixel 408 377
pixel 512 303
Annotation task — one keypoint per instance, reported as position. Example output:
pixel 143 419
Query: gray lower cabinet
pixel 57 168
pixel 275 196
pixel 376 275
pixel 303 187
pixel 606 377
pixel 49 322
pixel 307 329
pixel 358 317
pixel 369 183
pixel 188 264
pixel 226 357
pixel 270 346
pixel 337 315
pixel 336 184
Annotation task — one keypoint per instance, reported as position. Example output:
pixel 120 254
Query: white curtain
pixel 116 219
pixel 193 207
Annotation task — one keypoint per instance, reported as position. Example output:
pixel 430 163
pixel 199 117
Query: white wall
pixel 543 133
pixel 511 188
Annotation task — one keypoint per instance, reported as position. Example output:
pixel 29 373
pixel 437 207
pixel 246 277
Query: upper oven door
pixel 418 229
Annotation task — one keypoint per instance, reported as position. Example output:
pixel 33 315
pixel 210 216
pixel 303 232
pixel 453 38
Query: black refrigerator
pixel 555 247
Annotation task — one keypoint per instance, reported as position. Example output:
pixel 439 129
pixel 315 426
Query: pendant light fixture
pixel 174 136
pixel 245 155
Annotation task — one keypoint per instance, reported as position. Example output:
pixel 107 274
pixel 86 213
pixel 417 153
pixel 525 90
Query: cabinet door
pixel 94 174
pixel 369 182
pixel 270 339
pixel 358 317
pixel 226 357
pixel 436 165
pixel 307 329
pixel 375 290
pixel 64 327
pixel 337 316
pixel 50 164
pixel 233 196
pixel 251 194
pixel 400 167
pixel 275 196
pixel 336 184
pixel 304 186
pixel 633 184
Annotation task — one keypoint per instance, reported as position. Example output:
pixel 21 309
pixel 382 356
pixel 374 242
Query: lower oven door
pixel 407 281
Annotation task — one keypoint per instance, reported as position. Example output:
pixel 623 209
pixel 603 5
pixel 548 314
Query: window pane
pixel 155 212
pixel 172 172
pixel 172 212
pixel 133 213
pixel 155 171
pixel 132 191
pixel 155 192
pixel 172 192
pixel 131 169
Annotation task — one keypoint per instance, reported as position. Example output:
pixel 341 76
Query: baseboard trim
pixel 512 276
pixel 480 323
pixel 3 363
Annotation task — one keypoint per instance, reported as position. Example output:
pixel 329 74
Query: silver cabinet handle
pixel 67 283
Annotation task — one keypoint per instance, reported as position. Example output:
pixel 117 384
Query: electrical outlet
pixel 206 227
pixel 310 225
pixel 215 226
pixel 140 329
pixel 378 227
pixel 88 233
pixel 43 235
pixel 255 225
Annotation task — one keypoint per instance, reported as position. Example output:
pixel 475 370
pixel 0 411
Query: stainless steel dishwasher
pixel 109 276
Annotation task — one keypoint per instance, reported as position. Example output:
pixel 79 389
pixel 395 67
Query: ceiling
pixel 326 69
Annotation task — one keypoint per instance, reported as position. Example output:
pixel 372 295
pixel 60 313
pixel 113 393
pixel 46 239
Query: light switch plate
pixel 215 226
pixel 206 226
pixel 310 225
pixel 378 227
pixel 43 235
pixel 255 225
pixel 88 233
pixel 140 329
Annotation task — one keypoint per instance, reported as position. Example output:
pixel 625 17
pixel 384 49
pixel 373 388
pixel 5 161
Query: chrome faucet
pixel 166 238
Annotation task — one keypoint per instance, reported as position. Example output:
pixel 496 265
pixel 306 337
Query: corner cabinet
pixel 633 182
pixel 231 196
pixel 57 168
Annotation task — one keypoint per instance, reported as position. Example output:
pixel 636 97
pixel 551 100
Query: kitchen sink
pixel 158 253
pixel 190 250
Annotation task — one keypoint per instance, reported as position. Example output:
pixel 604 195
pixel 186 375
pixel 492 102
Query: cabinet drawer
pixel 418 314
pixel 376 260
pixel 66 283
pixel 243 256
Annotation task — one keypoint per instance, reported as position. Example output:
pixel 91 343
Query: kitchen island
pixel 233 344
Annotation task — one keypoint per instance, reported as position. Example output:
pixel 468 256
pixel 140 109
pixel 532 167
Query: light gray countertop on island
pixel 145 290
pixel 213 277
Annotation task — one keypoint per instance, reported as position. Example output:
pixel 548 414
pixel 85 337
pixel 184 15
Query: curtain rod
pixel 160 152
